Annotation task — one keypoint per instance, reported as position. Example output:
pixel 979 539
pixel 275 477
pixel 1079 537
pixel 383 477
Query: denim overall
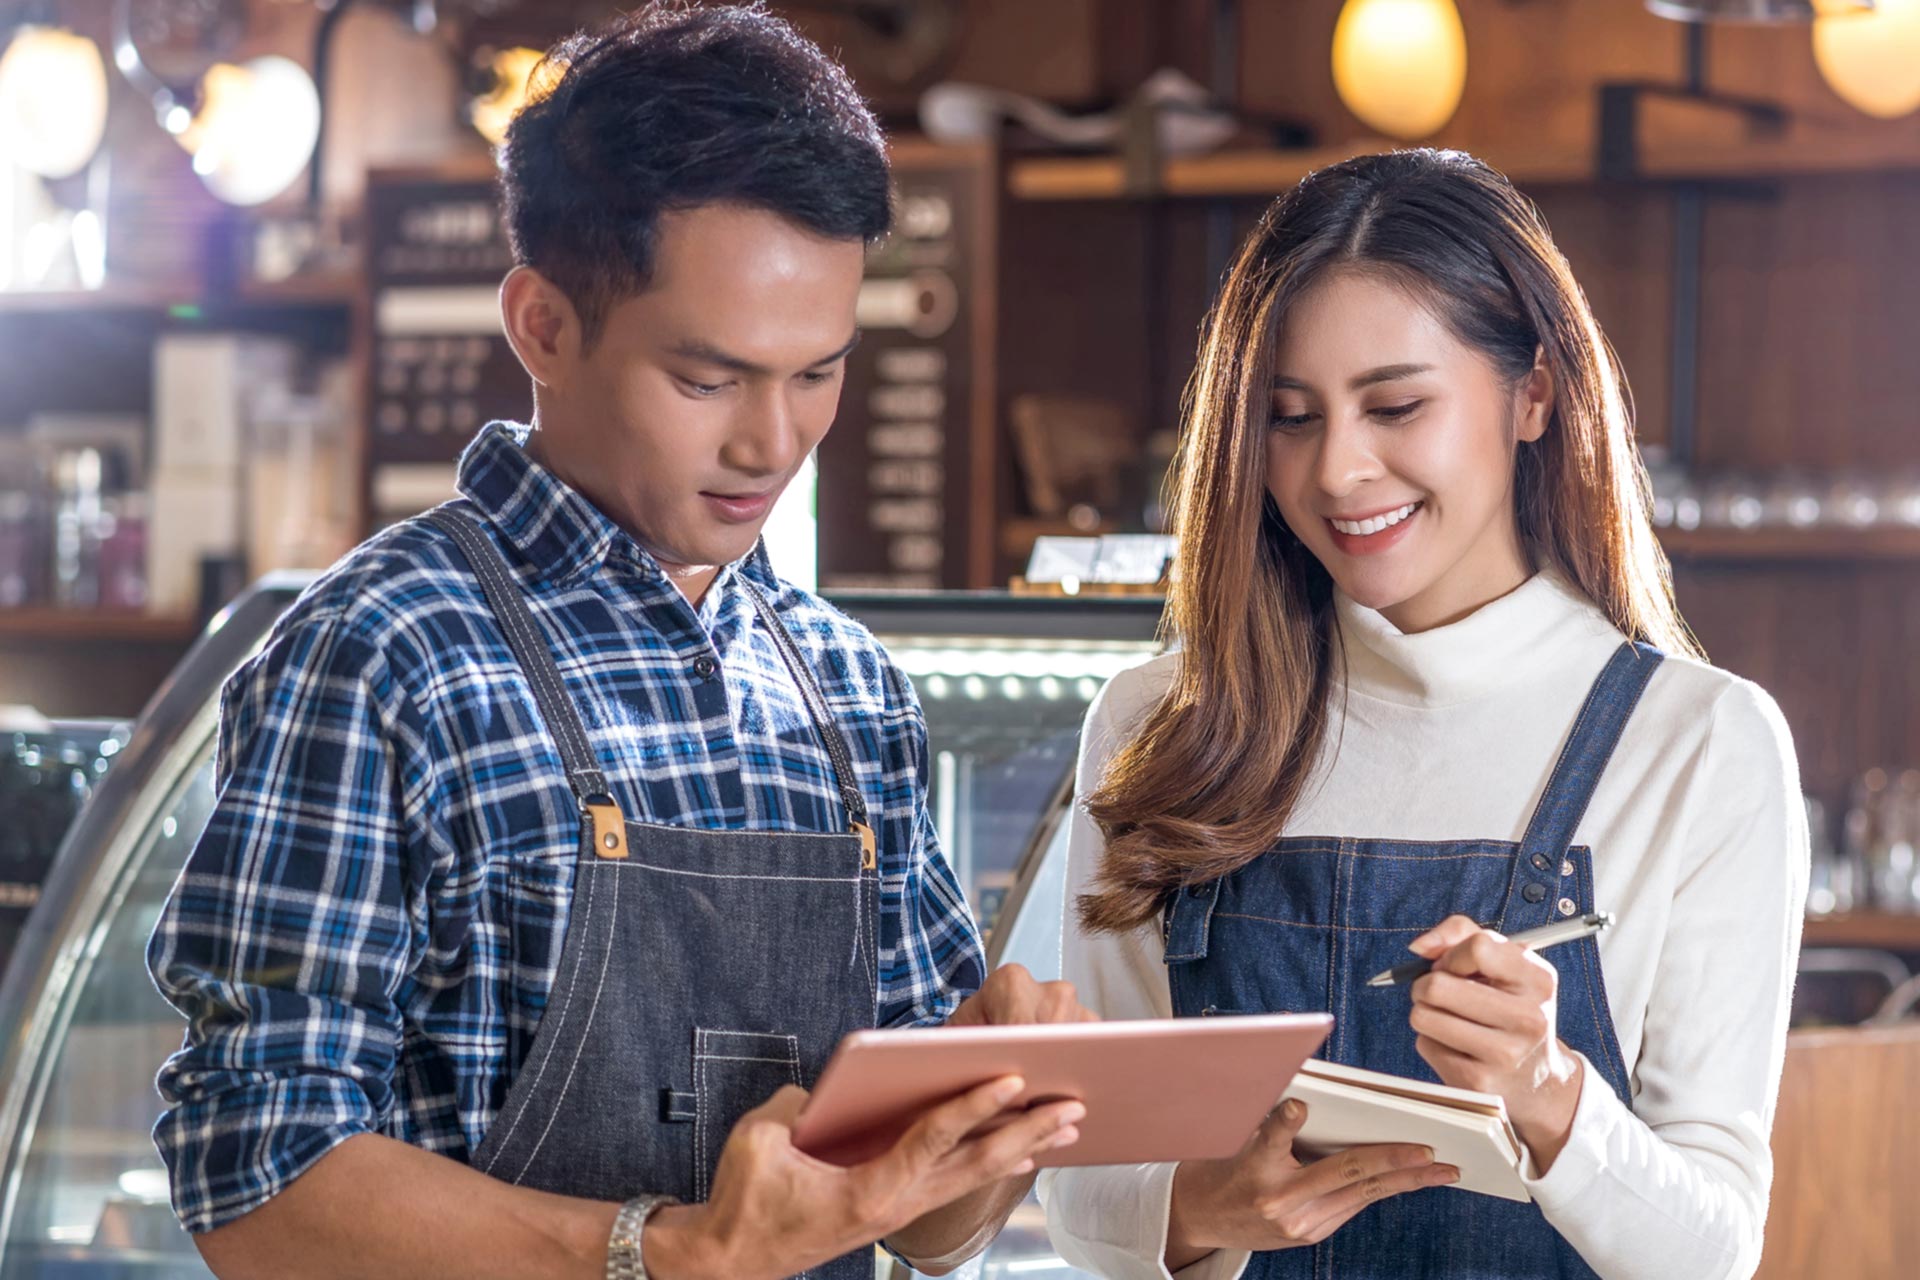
pixel 1303 927
pixel 702 970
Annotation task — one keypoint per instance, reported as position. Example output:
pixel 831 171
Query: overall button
pixel 1540 862
pixel 1534 891
pixel 1568 906
pixel 704 667
pixel 1566 866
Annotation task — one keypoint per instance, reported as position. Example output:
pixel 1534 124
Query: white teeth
pixel 1365 528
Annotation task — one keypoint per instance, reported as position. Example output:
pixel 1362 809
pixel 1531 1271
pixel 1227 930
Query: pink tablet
pixel 1158 1089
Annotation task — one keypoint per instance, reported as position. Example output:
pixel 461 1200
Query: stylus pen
pixel 1546 935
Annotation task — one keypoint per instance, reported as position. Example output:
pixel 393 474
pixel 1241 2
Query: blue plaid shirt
pixel 362 942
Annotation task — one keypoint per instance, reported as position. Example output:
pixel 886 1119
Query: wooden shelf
pixel 1246 172
pixel 1267 173
pixel 1792 545
pixel 332 290
pixel 96 624
pixel 1865 929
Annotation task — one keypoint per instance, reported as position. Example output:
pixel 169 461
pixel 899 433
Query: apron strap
pixel 1610 704
pixel 523 635
pixel 823 723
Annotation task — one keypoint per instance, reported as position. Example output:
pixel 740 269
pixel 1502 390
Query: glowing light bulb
pixel 1400 65
pixel 1872 59
pixel 53 101
pixel 515 84
pixel 255 129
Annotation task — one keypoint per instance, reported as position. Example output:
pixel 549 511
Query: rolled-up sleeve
pixel 293 923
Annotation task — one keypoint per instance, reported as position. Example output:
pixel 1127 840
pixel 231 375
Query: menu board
pixel 899 472
pixel 441 365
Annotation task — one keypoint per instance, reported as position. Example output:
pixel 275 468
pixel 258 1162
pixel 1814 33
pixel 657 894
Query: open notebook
pixel 1350 1107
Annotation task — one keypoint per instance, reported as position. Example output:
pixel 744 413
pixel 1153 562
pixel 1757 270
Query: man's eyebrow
pixel 707 353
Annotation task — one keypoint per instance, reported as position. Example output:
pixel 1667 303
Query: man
pixel 557 841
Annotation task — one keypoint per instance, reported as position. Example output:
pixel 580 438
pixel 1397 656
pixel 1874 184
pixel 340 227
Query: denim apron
pixel 1302 928
pixel 702 970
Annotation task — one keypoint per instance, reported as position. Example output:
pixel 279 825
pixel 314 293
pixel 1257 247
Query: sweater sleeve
pixel 1678 1184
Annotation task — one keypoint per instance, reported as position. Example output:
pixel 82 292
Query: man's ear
pixel 1535 404
pixel 541 324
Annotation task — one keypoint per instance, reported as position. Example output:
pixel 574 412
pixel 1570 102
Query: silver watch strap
pixel 623 1246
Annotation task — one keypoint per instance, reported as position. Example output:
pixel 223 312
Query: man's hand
pixel 776 1211
pixel 1011 997
pixel 941 1240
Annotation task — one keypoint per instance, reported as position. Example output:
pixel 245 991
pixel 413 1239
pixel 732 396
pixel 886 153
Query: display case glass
pixel 1005 683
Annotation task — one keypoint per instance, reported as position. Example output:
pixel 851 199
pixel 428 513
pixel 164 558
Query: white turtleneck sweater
pixel 1699 849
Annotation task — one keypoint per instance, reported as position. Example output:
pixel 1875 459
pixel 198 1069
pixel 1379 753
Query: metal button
pixel 1568 906
pixel 610 840
pixel 1566 866
pixel 1540 862
pixel 704 667
pixel 1534 891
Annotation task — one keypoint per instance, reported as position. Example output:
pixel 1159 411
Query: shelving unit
pixel 1245 172
pixel 119 626
pixel 1264 172
pixel 331 290
pixel 1883 930
pixel 1793 546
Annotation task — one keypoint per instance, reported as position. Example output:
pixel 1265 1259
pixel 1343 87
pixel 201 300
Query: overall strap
pixel 1596 733
pixel 837 754
pixel 535 655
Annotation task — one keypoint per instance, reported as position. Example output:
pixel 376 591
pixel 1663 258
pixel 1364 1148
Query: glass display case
pixel 48 768
pixel 1005 683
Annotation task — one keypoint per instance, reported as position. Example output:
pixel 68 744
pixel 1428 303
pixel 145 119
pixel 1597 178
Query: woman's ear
pixel 1535 400
pixel 541 325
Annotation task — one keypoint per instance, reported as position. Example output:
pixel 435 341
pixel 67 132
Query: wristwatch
pixel 623 1247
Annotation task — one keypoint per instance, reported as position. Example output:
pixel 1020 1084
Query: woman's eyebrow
pixel 1372 377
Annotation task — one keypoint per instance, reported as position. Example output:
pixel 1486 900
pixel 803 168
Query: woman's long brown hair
pixel 1207 782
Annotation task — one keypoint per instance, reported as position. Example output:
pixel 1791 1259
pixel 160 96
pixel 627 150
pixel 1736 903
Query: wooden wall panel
pixel 1833 643
pixel 1811 313
pixel 1618 242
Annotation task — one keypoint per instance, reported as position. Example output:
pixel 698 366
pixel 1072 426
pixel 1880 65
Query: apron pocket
pixel 733 1072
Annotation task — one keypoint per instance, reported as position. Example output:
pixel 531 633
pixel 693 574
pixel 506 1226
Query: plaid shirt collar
pixel 559 536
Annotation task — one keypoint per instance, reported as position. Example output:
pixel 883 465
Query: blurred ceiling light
pixel 53 101
pixel 1753 10
pixel 1872 60
pixel 255 128
pixel 512 71
pixel 1400 65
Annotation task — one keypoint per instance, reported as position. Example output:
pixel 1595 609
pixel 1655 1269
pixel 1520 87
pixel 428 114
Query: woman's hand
pixel 1485 1018
pixel 1266 1198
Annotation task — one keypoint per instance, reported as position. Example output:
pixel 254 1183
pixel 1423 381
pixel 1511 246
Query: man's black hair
pixel 671 107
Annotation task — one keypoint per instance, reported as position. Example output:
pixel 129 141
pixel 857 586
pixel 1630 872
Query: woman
pixel 1431 674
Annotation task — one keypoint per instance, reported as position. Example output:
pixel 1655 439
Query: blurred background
pixel 248 260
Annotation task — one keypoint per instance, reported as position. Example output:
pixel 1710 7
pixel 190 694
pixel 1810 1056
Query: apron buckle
pixel 607 827
pixel 869 855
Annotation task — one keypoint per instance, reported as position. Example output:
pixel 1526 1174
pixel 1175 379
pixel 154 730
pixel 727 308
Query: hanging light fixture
pixel 1400 65
pixel 1872 60
pixel 1771 11
pixel 516 77
pixel 53 101
pixel 255 128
